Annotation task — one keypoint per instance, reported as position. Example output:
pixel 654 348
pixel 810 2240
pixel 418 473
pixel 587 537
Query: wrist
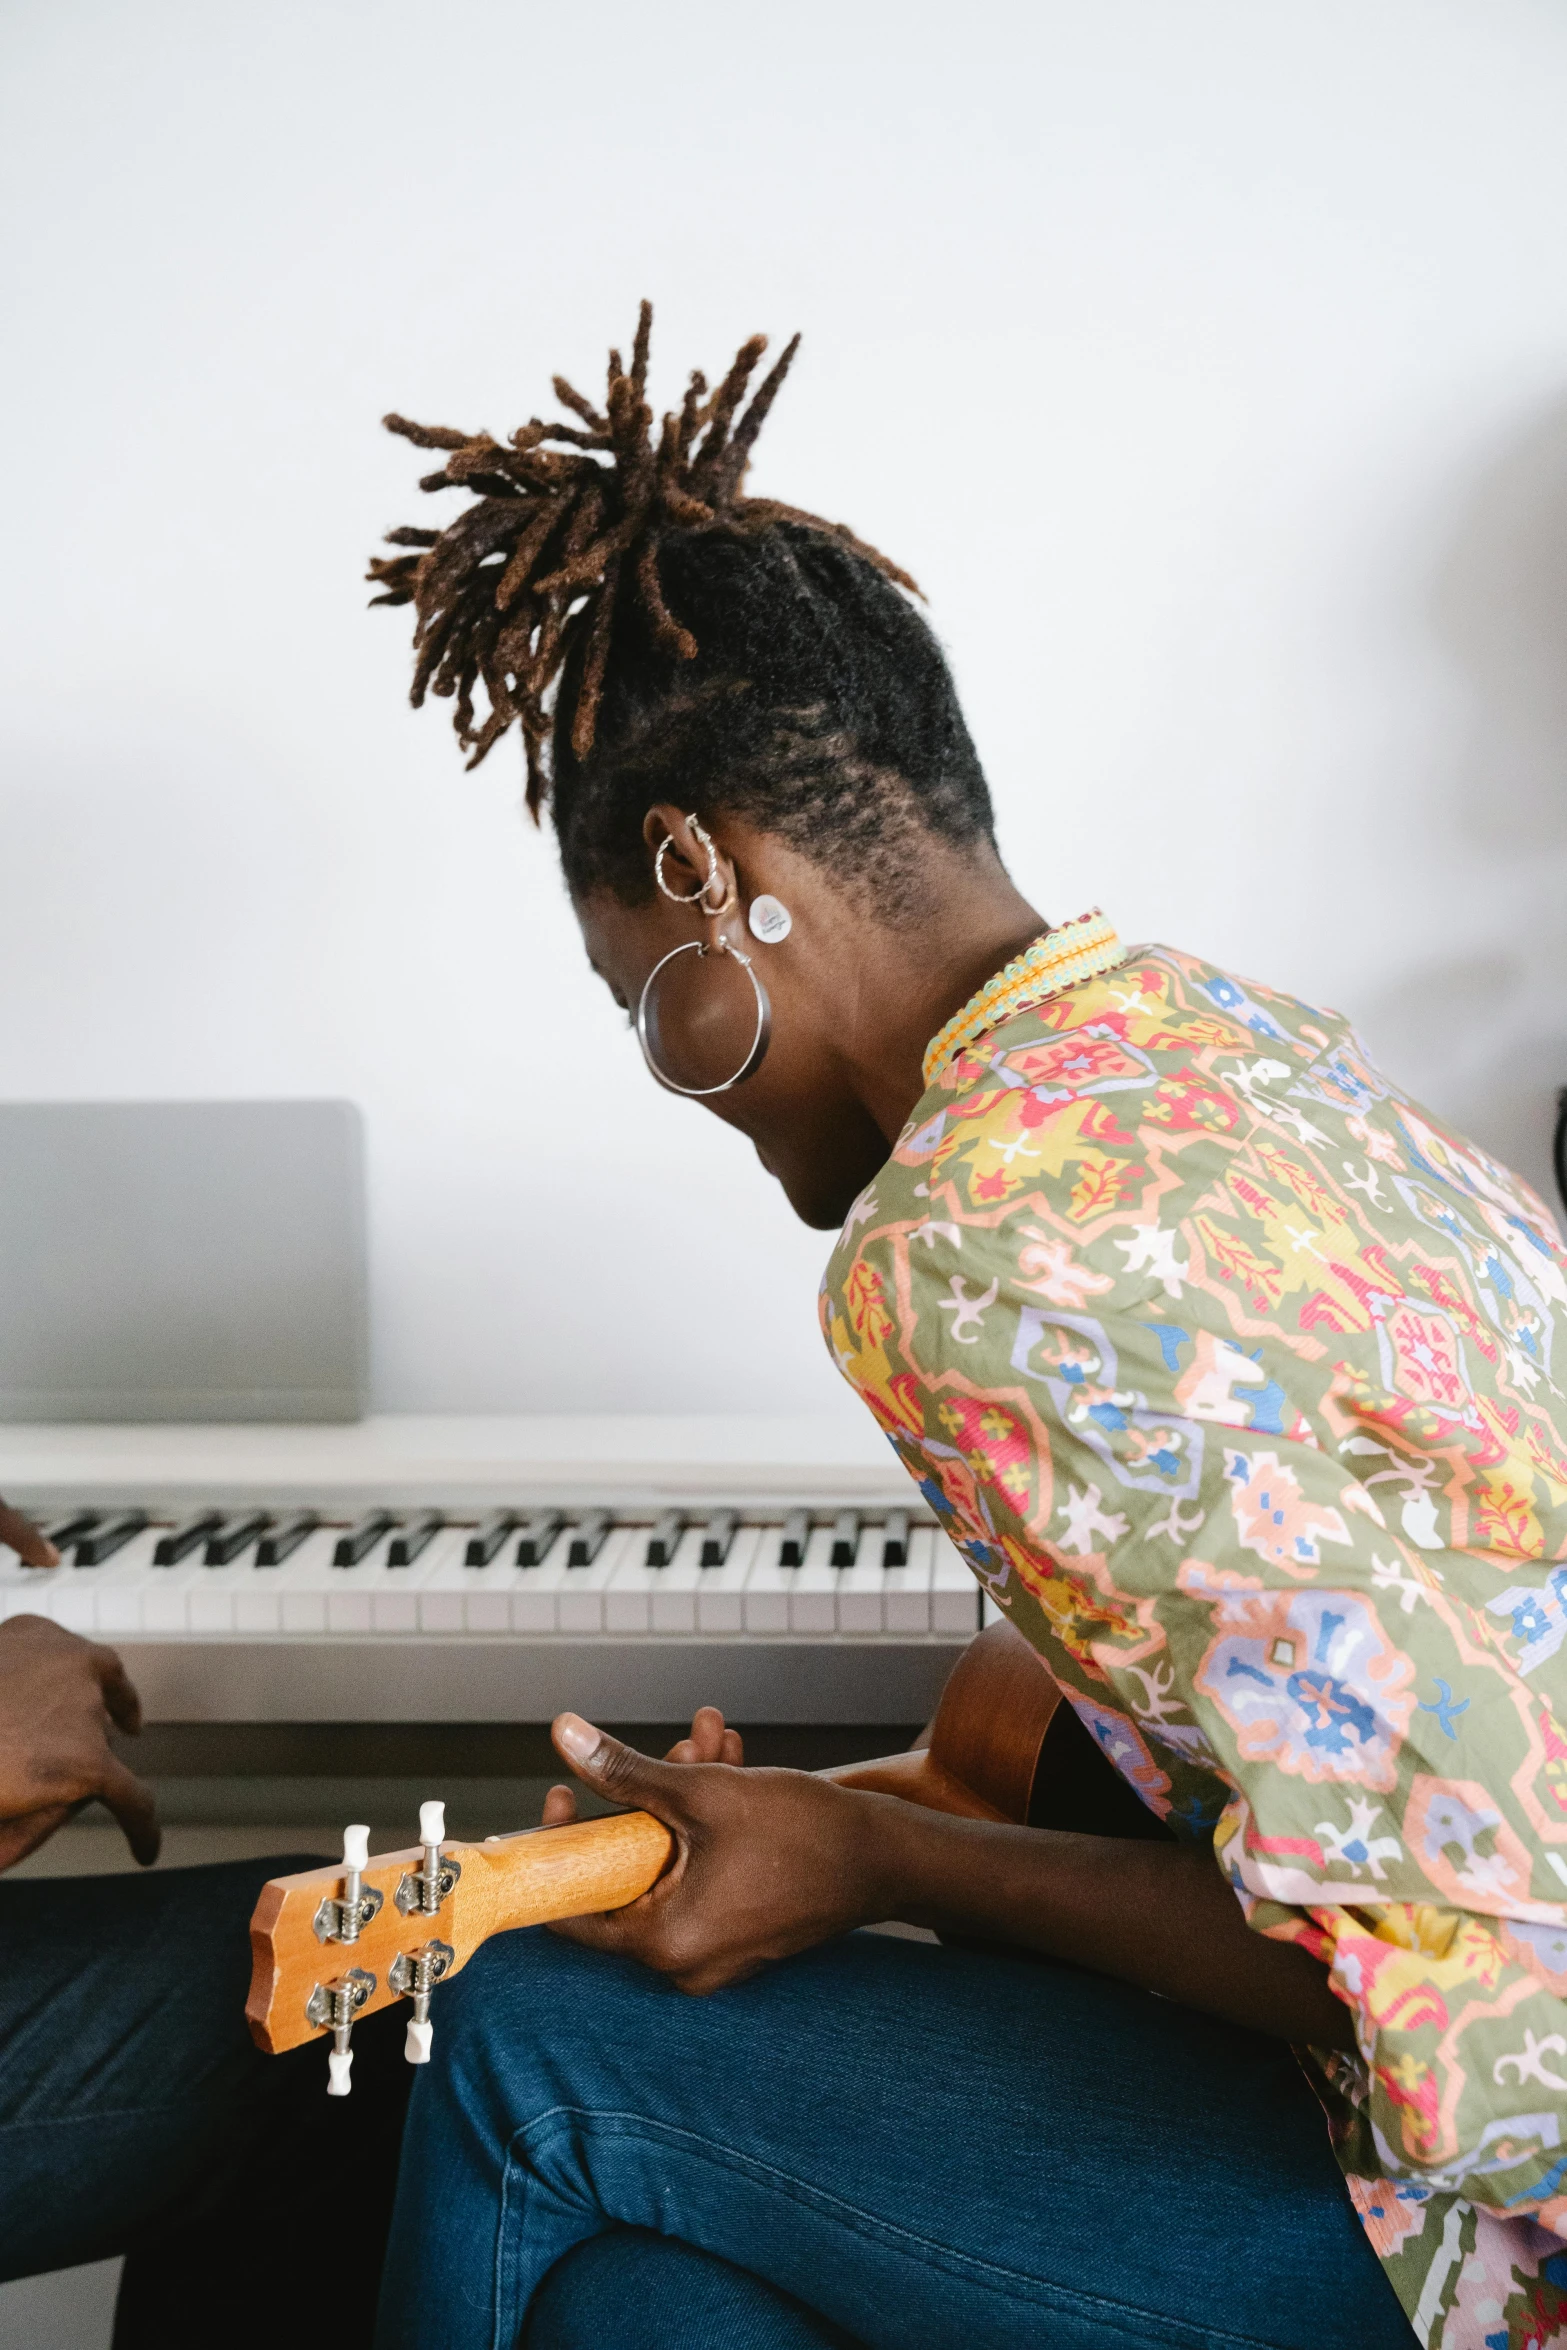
pixel 899 1854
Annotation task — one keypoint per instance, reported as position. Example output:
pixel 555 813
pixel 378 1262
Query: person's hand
pixel 765 1862
pixel 33 1548
pixel 711 1741
pixel 58 1698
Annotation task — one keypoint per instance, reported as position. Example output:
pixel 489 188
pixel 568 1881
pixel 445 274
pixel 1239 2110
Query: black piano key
pixel 796 1534
pixel 664 1540
pixel 718 1537
pixel 539 1537
pixel 182 1539
pixel 286 1538
pixel 895 1539
pixel 414 1536
pixel 588 1537
pixel 108 1536
pixel 361 1538
pixel 487 1538
pixel 239 1533
pixel 72 1529
pixel 845 1538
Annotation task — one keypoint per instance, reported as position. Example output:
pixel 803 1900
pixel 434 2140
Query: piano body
pixel 449 1570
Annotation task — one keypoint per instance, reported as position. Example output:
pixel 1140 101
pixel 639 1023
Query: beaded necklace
pixel 1062 958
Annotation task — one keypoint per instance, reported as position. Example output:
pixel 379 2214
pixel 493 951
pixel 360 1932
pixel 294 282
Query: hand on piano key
pixel 58 1697
pixel 31 1544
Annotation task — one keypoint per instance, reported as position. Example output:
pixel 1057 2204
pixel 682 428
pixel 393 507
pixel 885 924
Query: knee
pixel 526 2013
pixel 643 2291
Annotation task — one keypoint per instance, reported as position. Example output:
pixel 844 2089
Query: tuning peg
pixel 432 1829
pixel 333 2006
pixel 341 1916
pixel 356 1857
pixel 425 1888
pixel 415 1973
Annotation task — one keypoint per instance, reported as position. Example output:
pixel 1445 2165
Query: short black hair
pixel 725 652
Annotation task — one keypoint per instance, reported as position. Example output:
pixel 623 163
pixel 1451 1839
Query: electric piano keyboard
pixel 633 1570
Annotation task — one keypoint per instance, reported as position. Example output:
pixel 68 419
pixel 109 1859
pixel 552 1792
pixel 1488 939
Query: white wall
pixel 1207 362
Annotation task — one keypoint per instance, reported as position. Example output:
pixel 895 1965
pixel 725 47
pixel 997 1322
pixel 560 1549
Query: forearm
pixel 1159 1915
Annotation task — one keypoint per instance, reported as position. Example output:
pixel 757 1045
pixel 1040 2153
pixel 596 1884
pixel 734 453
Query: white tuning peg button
pixel 416 2047
pixel 356 1848
pixel 432 1823
pixel 338 2067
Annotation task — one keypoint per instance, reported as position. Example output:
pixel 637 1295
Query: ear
pixel 685 864
pixel 688 866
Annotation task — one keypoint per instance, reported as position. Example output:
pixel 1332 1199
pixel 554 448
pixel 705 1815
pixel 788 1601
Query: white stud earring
pixel 769 920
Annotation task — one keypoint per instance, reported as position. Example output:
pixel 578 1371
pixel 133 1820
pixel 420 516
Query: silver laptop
pixel 182 1261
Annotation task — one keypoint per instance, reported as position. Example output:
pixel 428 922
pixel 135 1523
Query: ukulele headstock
pixel 332 1945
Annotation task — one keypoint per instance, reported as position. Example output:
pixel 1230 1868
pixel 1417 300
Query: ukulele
pixel 333 1944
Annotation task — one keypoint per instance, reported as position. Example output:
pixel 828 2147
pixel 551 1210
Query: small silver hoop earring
pixel 759 1042
pixel 682 897
pixel 706 891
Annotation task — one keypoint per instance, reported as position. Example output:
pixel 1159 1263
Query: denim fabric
pixel 931 2149
pixel 631 2290
pixel 137 2117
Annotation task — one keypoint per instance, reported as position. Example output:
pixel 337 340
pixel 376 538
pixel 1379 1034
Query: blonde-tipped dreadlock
pixel 557 535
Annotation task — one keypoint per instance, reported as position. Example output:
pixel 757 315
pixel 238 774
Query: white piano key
pixel 375 1596
pixel 348 1611
pixel 767 1588
pixel 536 1590
pixel 131 1595
pixel 954 1590
pixel 813 1587
pixel 861 1589
pixel 579 1607
pixel 487 1611
pixel 906 1590
pixel 258 1601
pixel 394 1591
pixel 311 1593
pixel 720 1591
pixel 448 1581
pixel 673 1602
pixel 628 1596
pixel 292 1597
pixel 210 1597
pixel 23 1590
pixel 65 1595
pixel 70 1605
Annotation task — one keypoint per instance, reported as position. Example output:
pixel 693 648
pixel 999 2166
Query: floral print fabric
pixel 1234 1374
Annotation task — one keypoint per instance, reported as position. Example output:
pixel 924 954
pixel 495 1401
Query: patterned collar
pixel 1060 959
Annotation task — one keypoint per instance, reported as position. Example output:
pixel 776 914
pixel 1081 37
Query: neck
pixel 897 993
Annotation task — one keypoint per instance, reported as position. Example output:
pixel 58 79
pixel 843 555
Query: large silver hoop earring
pixel 759 1042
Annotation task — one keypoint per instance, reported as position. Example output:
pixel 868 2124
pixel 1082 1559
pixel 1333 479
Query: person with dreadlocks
pixel 1225 1365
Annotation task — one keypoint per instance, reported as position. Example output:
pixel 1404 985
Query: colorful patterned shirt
pixel 1230 1370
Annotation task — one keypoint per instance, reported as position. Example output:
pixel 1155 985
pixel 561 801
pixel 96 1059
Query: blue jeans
pixel 137 2117
pixel 880 2143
